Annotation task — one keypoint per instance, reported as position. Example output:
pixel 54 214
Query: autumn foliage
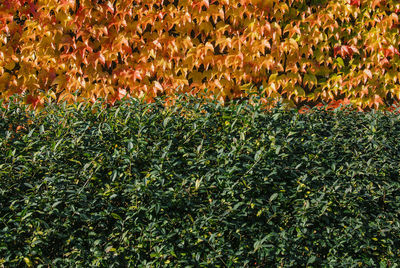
pixel 305 52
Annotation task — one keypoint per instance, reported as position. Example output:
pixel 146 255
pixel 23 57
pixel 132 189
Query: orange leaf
pixel 377 100
pixel 119 95
pixel 200 4
pixel 376 3
pixel 110 7
pixel 137 75
pixel 20 128
pixel 100 58
pixel 158 86
pixel 34 100
pixel 368 73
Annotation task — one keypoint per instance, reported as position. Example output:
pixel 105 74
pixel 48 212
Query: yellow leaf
pixel 264 3
pixel 59 80
pixel 28 262
pixel 223 42
pixel 310 79
pixel 293 44
pixel 299 91
pixel 196 76
pixel 9 66
pixel 246 87
pixel 206 27
pixel 273 77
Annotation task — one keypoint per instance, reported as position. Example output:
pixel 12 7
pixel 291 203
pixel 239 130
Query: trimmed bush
pixel 198 185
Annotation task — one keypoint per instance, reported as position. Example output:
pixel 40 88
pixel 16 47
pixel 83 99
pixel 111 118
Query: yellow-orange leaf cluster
pixel 302 51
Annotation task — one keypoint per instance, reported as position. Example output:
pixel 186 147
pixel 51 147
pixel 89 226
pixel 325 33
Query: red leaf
pixel 355 2
pixel 336 50
pixel 32 9
pixel 391 51
pixel 304 109
pixel 336 104
pixel 34 100
pixel 345 51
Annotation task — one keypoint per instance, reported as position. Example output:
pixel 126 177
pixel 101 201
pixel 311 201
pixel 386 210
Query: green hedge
pixel 221 186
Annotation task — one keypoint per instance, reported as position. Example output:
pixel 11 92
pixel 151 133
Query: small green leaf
pixel 116 216
pixel 257 156
pixel 273 197
pixel 278 149
pixel 311 260
pixel 166 120
pixel 130 146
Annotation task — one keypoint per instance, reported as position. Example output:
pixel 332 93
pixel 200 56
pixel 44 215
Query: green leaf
pixel 130 146
pixel 116 216
pixel 311 260
pixel 257 156
pixel 278 149
pixel 273 197
pixel 166 120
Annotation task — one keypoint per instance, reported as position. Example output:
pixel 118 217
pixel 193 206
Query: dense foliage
pixel 198 185
pixel 305 51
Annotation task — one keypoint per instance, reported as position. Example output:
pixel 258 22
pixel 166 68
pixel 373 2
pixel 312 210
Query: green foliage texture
pixel 198 185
